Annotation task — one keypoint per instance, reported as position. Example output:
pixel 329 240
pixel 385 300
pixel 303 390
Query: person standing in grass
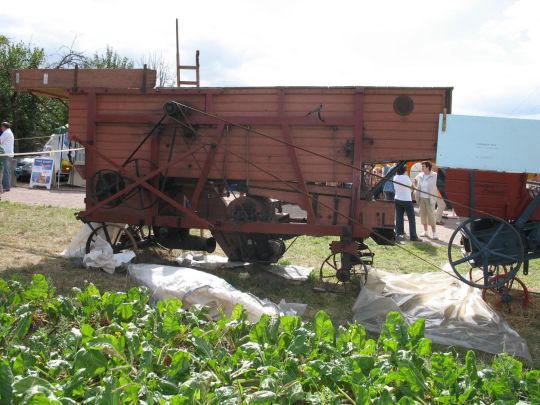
pixel 426 184
pixel 7 140
pixel 403 202
pixel 2 160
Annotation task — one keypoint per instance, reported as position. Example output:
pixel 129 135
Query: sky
pixel 488 50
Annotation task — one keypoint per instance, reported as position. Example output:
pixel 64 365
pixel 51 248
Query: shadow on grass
pixel 66 273
pixel 29 250
pixel 426 248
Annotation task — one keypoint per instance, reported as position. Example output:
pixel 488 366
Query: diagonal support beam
pixel 294 160
pixel 143 182
pixel 210 157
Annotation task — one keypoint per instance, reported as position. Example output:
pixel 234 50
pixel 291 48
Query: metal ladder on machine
pixel 180 67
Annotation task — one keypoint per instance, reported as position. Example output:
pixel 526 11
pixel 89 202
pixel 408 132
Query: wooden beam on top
pixel 56 82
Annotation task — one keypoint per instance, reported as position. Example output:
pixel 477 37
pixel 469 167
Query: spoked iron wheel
pixel 341 268
pixel 104 184
pixel 118 237
pixel 143 235
pixel 511 298
pixel 487 243
pixel 140 198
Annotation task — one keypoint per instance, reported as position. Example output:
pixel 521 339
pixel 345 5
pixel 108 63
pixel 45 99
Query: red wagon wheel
pixel 507 297
pixel 342 267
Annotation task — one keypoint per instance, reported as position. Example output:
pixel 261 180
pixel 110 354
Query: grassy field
pixel 31 237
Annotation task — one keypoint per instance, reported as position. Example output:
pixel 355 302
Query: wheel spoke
pixel 141 198
pixel 495 234
pixel 332 265
pixel 502 255
pixel 107 235
pixel 487 276
pixel 117 238
pixel 471 237
pixel 466 259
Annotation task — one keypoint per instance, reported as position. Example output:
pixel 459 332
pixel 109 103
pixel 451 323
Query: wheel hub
pixel 343 275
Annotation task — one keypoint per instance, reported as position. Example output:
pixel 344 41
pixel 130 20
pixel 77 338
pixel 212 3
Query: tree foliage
pixel 156 61
pixel 31 115
pixel 26 112
pixel 109 60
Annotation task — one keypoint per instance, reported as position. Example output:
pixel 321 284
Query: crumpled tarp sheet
pixel 290 271
pixel 102 257
pixel 195 287
pixel 214 262
pixel 207 262
pixel 77 246
pixel 455 313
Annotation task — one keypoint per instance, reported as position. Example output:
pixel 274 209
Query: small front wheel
pixel 117 236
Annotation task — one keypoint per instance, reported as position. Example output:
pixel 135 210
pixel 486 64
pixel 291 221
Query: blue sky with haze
pixel 489 51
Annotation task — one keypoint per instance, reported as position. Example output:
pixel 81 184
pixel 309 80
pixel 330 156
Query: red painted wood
pixel 287 144
pixel 294 162
pixel 210 160
pixel 503 195
pixel 357 157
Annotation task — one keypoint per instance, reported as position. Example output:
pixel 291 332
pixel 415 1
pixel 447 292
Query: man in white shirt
pixel 404 205
pixel 7 141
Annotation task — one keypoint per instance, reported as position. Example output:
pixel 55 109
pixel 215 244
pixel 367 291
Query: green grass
pixel 406 258
pixel 30 238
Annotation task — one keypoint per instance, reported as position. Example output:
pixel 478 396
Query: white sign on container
pixel 489 143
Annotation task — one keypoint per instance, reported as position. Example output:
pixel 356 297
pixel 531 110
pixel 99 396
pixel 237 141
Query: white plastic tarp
pixel 77 246
pixel 213 262
pixel 102 256
pixel 197 287
pixel 455 313
pixel 207 262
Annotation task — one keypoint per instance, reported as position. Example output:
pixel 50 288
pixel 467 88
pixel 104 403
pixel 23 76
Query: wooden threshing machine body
pixel 227 159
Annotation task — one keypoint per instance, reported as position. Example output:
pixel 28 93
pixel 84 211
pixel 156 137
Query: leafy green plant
pixel 116 348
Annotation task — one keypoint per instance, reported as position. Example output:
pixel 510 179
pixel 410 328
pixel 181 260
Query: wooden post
pixel 177 57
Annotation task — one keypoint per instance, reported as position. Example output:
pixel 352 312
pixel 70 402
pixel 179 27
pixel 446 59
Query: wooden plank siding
pixel 126 117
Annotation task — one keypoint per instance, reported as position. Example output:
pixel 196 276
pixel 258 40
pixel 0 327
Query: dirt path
pixel 65 196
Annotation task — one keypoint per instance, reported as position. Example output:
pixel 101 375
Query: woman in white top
pixel 403 201
pixel 426 185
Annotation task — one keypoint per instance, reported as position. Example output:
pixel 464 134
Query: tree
pixel 27 113
pixel 31 115
pixel 157 62
pixel 69 57
pixel 109 60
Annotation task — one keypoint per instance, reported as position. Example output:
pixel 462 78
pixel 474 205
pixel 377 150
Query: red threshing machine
pixel 229 159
